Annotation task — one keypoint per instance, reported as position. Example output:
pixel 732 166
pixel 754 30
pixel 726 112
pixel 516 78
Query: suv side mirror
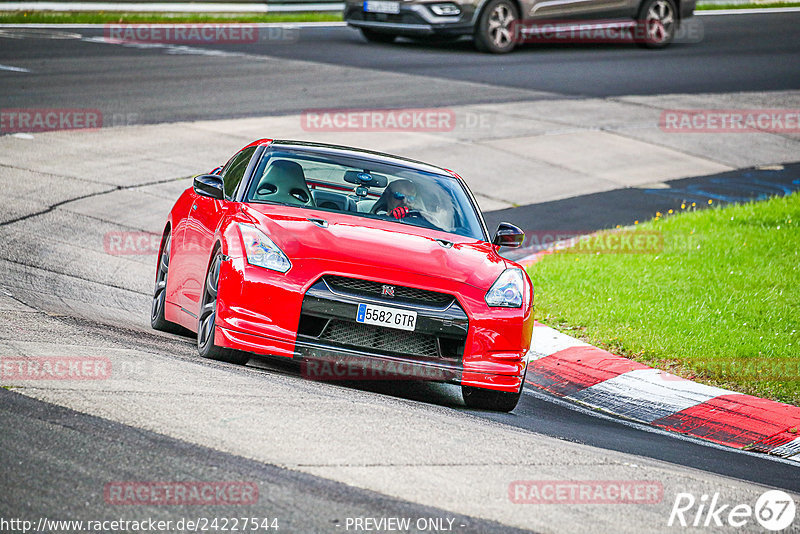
pixel 508 235
pixel 209 185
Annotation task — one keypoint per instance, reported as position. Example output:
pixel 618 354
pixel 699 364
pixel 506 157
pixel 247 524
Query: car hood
pixel 377 243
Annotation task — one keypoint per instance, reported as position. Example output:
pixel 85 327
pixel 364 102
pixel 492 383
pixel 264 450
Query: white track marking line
pixel 13 69
pixel 754 11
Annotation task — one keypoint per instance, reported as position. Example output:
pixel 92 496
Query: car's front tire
pixel 496 27
pixel 489 399
pixel 206 324
pixel 157 320
pixel 377 37
pixel 658 22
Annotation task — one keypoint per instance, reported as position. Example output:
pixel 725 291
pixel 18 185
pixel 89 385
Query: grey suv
pixel 497 26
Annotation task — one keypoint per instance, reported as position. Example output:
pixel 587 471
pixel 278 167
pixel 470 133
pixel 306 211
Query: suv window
pixel 233 172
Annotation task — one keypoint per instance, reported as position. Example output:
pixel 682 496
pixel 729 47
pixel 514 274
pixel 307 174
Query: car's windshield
pixel 365 188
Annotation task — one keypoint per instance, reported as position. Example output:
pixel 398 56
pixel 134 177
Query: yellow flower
pixel 710 201
pixel 670 211
pixel 635 222
pixel 694 204
pixel 658 213
pixel 683 206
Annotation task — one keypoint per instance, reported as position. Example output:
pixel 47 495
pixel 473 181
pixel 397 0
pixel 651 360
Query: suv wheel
pixel 496 27
pixel 658 22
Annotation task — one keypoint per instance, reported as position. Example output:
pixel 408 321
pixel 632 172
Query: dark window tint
pixel 234 170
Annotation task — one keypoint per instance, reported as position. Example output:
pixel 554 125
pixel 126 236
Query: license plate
pixel 381 6
pixel 388 317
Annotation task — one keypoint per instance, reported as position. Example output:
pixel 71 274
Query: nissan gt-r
pixel 356 264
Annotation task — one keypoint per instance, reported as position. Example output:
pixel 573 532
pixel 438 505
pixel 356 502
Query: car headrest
pixel 284 182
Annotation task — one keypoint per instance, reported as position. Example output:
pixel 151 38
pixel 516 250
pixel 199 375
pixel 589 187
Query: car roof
pixel 339 150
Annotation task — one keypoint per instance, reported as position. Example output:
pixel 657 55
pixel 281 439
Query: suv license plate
pixel 388 317
pixel 381 6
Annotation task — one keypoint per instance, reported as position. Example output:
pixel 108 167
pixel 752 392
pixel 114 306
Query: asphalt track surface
pixel 157 84
pixel 738 53
pixel 70 482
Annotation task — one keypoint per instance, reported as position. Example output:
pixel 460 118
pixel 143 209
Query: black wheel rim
pixel 208 311
pixel 160 292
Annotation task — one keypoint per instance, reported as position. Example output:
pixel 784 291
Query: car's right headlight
pixel 445 9
pixel 507 290
pixel 261 250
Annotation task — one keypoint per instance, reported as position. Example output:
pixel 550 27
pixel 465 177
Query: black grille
pixel 379 338
pixel 405 17
pixel 366 288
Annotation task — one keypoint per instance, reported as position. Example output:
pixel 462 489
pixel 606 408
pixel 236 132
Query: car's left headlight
pixel 507 291
pixel 262 251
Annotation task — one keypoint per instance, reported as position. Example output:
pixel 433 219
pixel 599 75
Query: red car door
pixel 205 216
pixel 198 240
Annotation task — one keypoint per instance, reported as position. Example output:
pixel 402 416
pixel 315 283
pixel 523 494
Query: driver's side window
pixel 234 171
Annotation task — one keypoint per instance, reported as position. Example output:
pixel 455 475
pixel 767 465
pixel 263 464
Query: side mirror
pixel 209 185
pixel 508 235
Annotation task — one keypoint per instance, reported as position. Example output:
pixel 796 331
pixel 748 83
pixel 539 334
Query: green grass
pixel 719 304
pixel 754 5
pixel 99 17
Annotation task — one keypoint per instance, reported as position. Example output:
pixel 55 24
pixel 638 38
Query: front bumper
pixel 414 20
pixel 461 341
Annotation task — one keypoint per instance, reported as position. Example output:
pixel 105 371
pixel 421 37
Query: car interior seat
pixel 284 182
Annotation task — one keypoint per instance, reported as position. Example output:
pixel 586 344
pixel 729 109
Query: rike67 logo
pixel 774 510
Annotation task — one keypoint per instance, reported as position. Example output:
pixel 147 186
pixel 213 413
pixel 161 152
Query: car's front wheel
pixel 658 22
pixel 157 320
pixel 495 30
pixel 207 321
pixel 490 399
pixel 377 37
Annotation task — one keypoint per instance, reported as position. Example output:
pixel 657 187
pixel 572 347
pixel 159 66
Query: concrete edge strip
pixel 576 371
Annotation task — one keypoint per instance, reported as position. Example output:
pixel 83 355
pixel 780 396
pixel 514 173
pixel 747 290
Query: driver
pixel 401 199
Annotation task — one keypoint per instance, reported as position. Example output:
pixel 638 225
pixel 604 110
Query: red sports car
pixel 357 264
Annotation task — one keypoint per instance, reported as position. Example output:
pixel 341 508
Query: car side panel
pixel 198 240
pixel 176 279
